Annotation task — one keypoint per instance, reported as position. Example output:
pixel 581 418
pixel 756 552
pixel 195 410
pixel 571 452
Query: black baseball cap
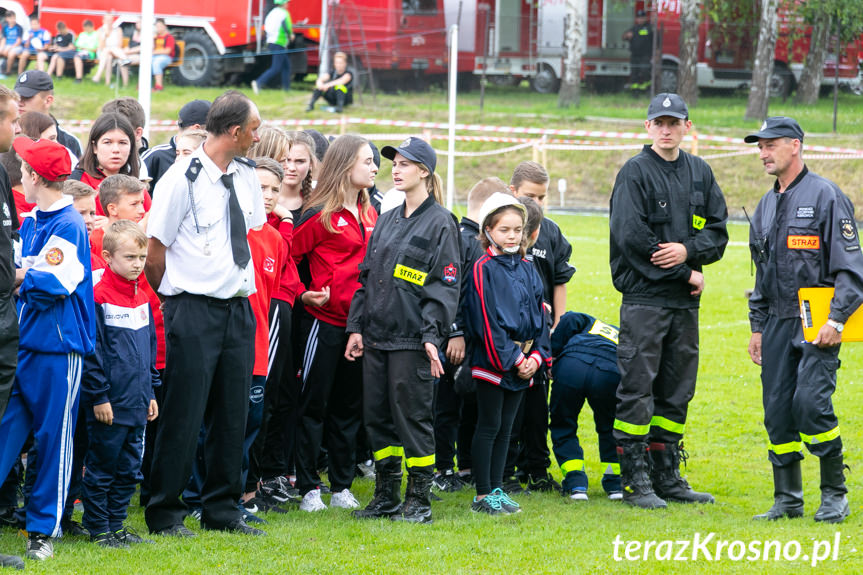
pixel 321 143
pixel 667 104
pixel 194 112
pixel 640 14
pixel 32 82
pixel 414 149
pixel 776 127
pixel 376 154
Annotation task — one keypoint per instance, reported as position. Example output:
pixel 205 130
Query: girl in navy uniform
pixel 506 320
pixel 400 318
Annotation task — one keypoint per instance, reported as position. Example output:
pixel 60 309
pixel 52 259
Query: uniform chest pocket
pixel 696 208
pixel 803 242
pixel 659 208
pixel 412 267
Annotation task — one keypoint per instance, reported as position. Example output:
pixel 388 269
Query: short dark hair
pixel 270 165
pixel 77 189
pixel 12 162
pixel 534 216
pixel 87 23
pixel 129 107
pixel 114 187
pixel 161 21
pixel 231 109
pixel 34 123
pixel 532 172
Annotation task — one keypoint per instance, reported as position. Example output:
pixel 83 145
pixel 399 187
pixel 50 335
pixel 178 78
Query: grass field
pixel 725 438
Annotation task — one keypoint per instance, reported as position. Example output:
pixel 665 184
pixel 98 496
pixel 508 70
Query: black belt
pixel 211 300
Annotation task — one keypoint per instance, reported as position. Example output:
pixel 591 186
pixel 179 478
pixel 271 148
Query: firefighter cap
pixel 667 104
pixel 497 201
pixel 776 127
pixel 47 158
pixel 414 149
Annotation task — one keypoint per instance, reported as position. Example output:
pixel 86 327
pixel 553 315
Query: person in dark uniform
pixel 336 87
pixel 640 39
pixel 9 128
pixel 399 320
pixel 667 221
pixel 200 259
pixel 584 369
pixel 803 234
pixel 193 116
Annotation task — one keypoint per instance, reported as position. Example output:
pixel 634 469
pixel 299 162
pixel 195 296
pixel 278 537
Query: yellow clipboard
pixel 814 309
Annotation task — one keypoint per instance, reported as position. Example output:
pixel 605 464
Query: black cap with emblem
pixel 667 104
pixel 776 127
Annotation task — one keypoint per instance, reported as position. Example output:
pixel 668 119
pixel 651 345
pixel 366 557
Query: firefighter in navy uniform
pixel 399 321
pixel 640 39
pixel 667 220
pixel 803 234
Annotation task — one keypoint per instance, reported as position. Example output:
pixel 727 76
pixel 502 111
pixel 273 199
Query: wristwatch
pixel 836 325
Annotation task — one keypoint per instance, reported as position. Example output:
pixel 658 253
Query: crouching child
pixel 118 386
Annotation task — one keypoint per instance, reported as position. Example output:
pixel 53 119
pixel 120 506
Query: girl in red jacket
pixel 332 235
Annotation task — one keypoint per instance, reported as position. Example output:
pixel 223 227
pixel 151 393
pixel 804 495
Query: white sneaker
pixel 344 499
pixel 616 495
pixel 39 547
pixel 578 496
pixel 312 502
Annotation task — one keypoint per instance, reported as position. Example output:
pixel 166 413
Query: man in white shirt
pixel 200 260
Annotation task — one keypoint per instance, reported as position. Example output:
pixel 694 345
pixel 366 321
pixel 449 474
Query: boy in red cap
pixel 57 329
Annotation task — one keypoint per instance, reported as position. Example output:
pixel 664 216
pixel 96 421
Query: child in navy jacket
pixel 506 321
pixel 118 383
pixel 55 311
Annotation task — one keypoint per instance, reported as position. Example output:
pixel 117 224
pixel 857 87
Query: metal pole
pixel 453 89
pixel 324 46
pixel 145 68
pixel 836 72
pixel 484 61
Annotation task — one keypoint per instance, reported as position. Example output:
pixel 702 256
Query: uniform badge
pixel 6 210
pixel 269 264
pixel 806 212
pixel 450 272
pixel 764 126
pixel 846 226
pixel 143 313
pixel 54 256
pixel 406 143
pixel 23 78
pixel 666 103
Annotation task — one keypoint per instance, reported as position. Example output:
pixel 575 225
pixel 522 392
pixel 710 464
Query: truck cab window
pixel 419 6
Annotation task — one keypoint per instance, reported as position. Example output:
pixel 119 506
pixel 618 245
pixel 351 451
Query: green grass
pixel 725 438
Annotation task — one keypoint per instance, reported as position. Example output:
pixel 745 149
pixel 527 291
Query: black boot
pixel 417 507
pixel 834 505
pixel 11 561
pixel 787 493
pixel 315 95
pixel 635 476
pixel 666 478
pixel 388 486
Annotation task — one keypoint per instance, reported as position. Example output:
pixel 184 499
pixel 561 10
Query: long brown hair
pixel 272 143
pixel 104 124
pixel 334 181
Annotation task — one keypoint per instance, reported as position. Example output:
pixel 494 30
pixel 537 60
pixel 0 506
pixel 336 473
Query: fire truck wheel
pixel 202 64
pixel 545 81
pixel 781 81
pixel 668 78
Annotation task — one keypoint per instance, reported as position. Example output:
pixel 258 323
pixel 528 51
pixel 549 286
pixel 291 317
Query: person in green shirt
pixel 87 44
pixel 280 32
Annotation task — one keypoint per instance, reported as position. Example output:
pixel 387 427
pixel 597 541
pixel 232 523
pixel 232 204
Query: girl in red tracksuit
pixel 332 235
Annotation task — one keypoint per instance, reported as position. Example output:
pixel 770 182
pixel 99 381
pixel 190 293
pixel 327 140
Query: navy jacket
pixel 587 338
pixel 123 368
pixel 505 305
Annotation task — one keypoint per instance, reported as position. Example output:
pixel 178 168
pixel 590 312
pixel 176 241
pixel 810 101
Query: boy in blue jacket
pixel 55 311
pixel 118 383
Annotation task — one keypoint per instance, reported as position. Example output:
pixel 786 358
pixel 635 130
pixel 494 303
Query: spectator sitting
pixel 36 43
pixel 111 48
pixel 12 36
pixel 86 44
pixel 164 51
pixel 62 48
pixel 336 87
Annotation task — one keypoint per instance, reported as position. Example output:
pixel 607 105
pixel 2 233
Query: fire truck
pixel 518 40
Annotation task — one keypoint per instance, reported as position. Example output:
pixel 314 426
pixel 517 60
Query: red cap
pixel 47 158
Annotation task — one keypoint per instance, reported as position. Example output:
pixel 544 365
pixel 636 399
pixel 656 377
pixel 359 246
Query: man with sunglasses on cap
pixel 57 329
pixel 802 234
pixel 667 221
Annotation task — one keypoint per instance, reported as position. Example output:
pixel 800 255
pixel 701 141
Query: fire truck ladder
pixel 359 64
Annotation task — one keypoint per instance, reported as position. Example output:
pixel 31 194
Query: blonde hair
pixel 273 143
pixel 77 189
pixel 122 230
pixel 484 188
pixel 304 139
pixel 334 182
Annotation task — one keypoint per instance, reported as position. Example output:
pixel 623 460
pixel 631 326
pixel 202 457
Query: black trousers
pixel 453 418
pixel 798 380
pixel 8 349
pixel 398 406
pixel 528 443
pixel 331 399
pixel 496 410
pixel 657 354
pixel 150 432
pixel 209 360
pixel 578 379
pixel 274 446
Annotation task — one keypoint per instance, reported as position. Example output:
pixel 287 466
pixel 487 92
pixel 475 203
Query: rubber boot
pixel 635 476
pixel 388 486
pixel 417 507
pixel 11 561
pixel 665 475
pixel 834 505
pixel 315 95
pixel 787 493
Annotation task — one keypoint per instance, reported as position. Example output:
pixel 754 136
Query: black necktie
pixel 239 243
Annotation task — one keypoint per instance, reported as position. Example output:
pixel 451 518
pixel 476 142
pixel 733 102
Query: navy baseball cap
pixel 667 104
pixel 194 112
pixel 414 149
pixel 32 82
pixel 776 127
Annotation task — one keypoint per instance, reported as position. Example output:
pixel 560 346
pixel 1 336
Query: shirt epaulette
pixel 194 169
pixel 243 160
